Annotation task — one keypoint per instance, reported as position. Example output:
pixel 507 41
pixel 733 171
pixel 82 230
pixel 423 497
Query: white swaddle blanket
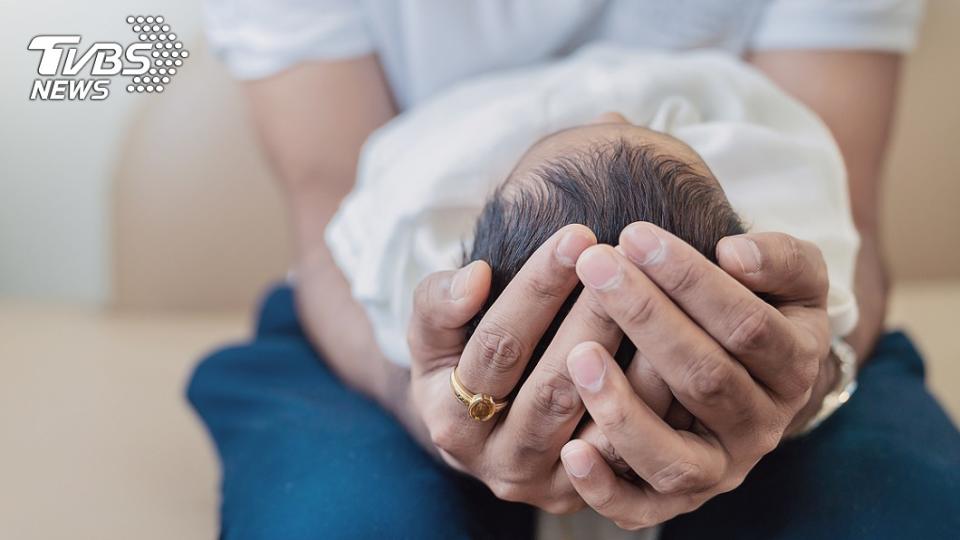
pixel 424 177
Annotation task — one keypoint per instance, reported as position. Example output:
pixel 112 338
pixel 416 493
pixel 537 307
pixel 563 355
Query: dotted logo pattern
pixel 168 53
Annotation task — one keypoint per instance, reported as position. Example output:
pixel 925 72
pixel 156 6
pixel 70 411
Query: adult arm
pixel 313 120
pixel 854 92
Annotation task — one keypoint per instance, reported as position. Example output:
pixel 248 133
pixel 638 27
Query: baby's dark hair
pixel 605 187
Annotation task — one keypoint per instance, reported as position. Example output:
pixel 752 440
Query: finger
pixel 494 358
pixel 790 271
pixel 776 264
pixel 547 409
pixel 442 304
pixel 628 505
pixel 497 352
pixel 678 417
pixel 648 384
pixel 753 331
pixel 712 386
pixel 654 391
pixel 671 461
pixel 591 434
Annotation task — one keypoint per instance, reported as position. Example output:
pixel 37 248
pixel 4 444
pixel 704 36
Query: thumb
pixel 778 265
pixel 443 303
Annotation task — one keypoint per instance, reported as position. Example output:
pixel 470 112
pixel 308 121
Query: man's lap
pixel 886 465
pixel 305 457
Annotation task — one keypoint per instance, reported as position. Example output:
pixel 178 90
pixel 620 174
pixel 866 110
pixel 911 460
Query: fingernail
pixel 747 254
pixel 587 368
pixel 643 245
pixel 571 246
pixel 458 286
pixel 577 462
pixel 599 269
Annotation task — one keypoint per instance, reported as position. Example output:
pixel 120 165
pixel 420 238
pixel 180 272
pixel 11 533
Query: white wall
pixel 56 158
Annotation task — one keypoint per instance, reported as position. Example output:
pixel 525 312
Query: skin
pixel 743 375
pixel 854 93
pixel 739 402
pixel 313 119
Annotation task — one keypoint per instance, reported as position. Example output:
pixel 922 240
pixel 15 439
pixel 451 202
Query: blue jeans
pixel 304 457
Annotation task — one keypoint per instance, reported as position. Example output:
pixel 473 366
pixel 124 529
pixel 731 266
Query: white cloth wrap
pixel 424 177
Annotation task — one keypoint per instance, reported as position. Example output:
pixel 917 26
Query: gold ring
pixel 480 407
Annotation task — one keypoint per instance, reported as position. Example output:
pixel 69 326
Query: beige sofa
pixel 98 440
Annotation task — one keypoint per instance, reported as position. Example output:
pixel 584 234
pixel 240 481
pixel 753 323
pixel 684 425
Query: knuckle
pixel 530 442
pixel 642 517
pixel 768 440
pixel 556 397
pixel 686 277
pixel 597 316
pixel 604 501
pixel 636 522
pixel 507 490
pixel 562 506
pixel 708 378
pixel 650 514
pixel 611 455
pixel 545 289
pixel 516 468
pixel 752 332
pixel 444 435
pixel 640 310
pixel 499 349
pixel 680 476
pixel 552 402
pixel 612 417
pixel 730 483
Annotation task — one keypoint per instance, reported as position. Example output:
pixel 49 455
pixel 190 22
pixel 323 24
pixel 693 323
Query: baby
pixel 605 175
pixel 490 168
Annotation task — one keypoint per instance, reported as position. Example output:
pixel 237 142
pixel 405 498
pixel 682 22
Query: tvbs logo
pixel 149 63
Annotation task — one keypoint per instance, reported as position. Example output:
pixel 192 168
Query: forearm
pixel 333 319
pixel 871 288
pixel 313 120
pixel 854 92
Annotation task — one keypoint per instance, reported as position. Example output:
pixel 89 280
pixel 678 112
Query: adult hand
pixel 742 367
pixel 517 452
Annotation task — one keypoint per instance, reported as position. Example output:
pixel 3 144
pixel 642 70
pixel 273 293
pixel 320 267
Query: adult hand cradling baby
pixel 744 368
pixel 641 379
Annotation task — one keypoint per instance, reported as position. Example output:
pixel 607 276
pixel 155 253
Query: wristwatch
pixel 846 359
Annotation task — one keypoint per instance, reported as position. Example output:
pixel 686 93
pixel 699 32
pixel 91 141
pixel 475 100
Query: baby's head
pixel 604 175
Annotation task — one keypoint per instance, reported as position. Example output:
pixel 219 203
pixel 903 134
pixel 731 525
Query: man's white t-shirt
pixel 426 45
